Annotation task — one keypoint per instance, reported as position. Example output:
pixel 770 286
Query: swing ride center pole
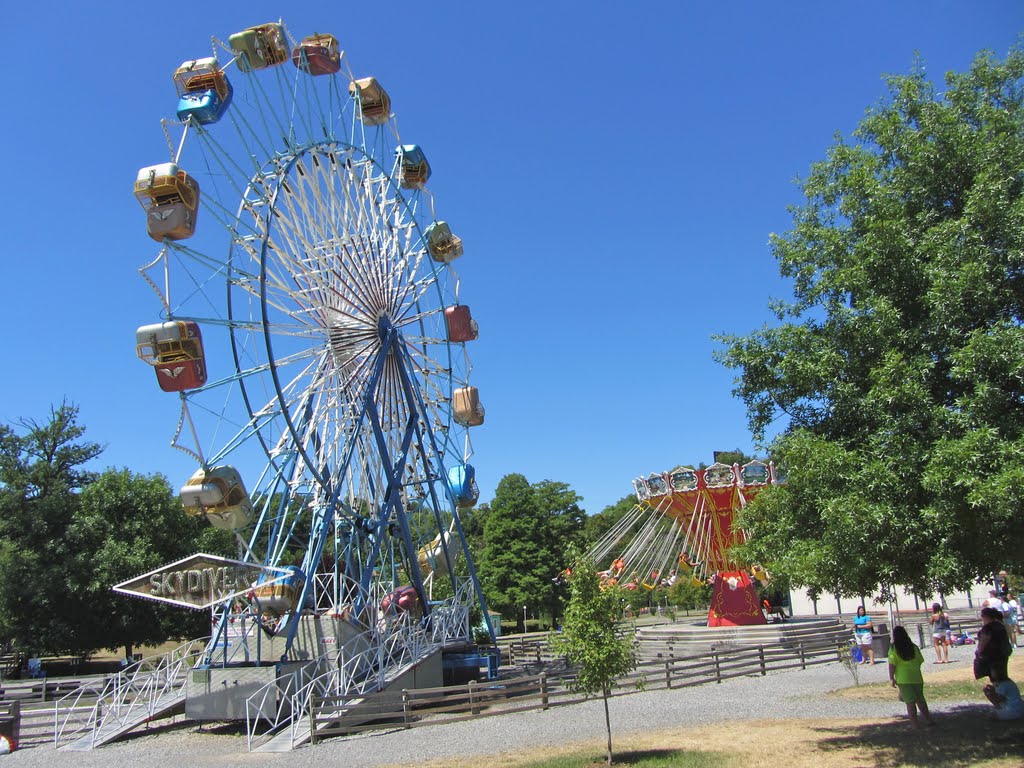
pixel 734 601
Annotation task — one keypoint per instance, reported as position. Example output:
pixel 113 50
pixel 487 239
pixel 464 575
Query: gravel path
pixel 793 694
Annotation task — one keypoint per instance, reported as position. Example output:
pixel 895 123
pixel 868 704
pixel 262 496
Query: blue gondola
pixel 462 482
pixel 204 92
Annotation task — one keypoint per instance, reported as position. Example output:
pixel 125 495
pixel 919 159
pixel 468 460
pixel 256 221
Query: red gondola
pixel 460 323
pixel 175 350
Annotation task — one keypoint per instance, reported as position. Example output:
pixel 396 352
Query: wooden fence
pixel 32 704
pixel 42 690
pixel 36 725
pixel 526 649
pixel 330 716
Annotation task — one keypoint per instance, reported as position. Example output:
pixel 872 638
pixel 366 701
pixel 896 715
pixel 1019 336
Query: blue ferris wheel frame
pixel 418 432
pixel 290 427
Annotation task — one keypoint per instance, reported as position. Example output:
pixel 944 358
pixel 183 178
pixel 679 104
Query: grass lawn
pixel 948 682
pixel 965 737
pixel 104 662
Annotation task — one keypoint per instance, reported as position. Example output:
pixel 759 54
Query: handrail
pixel 354 675
pixel 131 692
pixel 362 665
pixel 401 647
pixel 278 689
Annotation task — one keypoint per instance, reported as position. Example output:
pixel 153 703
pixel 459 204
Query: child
pixel 1005 697
pixel 905 662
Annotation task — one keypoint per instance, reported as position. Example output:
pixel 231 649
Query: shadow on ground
pixel 640 758
pixel 158 727
pixel 962 736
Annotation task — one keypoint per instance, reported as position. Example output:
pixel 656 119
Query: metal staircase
pixel 143 691
pixel 319 692
pixel 338 684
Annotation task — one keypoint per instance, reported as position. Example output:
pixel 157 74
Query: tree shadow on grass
pixel 639 758
pixel 963 735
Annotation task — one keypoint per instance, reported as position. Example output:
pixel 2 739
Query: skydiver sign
pixel 200 581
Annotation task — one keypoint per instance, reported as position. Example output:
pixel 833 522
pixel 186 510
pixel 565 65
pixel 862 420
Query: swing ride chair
pixel 312 332
pixel 683 526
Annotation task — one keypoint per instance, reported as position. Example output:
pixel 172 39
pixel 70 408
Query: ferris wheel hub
pixel 384 326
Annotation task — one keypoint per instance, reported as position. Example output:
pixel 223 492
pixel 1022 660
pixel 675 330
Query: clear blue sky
pixel 614 170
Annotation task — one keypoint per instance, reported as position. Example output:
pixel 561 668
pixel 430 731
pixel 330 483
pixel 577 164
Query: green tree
pixel 514 571
pixel 590 638
pixel 473 521
pixel 128 524
pixel 41 474
pixel 898 366
pixel 596 526
pixel 731 457
pixel 687 595
pixel 565 520
pixel 526 535
pixel 562 506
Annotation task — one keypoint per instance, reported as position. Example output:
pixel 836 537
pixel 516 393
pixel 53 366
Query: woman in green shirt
pixel 905 662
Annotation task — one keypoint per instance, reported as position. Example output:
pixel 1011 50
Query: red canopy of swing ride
pixel 683 526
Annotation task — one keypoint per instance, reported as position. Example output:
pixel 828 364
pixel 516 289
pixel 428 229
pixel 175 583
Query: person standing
pixel 993 600
pixel 905 662
pixel 993 651
pixel 1013 621
pixel 940 633
pixel 863 629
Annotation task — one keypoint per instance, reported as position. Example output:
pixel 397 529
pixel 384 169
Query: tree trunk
pixel 607 724
pixel 127 650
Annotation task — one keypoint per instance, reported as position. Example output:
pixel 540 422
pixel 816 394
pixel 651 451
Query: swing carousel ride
pixel 682 526
pixel 312 333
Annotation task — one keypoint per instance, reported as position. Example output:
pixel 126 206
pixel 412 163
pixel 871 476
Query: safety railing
pixel 450 620
pixel 270 696
pixel 359 675
pixel 132 695
pixel 363 665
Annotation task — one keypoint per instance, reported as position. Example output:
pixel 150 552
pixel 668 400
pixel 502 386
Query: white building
pixel 827 603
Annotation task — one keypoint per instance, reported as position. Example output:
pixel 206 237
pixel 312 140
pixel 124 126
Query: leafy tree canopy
pixel 41 472
pixel 527 532
pixel 596 526
pixel 899 363
pixel 68 535
pixel 128 524
pixel 730 457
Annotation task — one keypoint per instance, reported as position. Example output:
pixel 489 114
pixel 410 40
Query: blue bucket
pixel 857 655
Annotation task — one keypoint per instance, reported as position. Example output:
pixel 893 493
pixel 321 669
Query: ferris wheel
pixel 311 326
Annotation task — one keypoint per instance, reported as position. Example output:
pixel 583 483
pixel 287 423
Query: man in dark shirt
pixel 993 651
